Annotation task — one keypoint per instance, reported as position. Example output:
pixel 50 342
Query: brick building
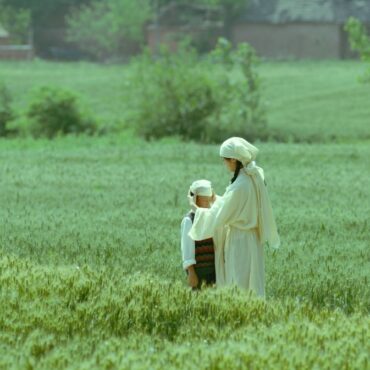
pixel 302 29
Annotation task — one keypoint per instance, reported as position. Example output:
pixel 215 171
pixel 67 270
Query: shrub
pixel 202 100
pixel 54 111
pixel 6 112
pixel 168 99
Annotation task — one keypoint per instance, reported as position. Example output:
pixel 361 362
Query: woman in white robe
pixel 241 222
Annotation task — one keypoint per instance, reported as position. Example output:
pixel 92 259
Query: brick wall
pixel 16 52
pixel 297 40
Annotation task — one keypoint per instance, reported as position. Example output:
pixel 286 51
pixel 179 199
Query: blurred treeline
pixel 95 29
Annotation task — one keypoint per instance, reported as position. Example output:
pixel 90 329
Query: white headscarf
pixel 240 149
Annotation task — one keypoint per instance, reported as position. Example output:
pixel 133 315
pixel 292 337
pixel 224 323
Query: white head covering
pixel 240 149
pixel 201 187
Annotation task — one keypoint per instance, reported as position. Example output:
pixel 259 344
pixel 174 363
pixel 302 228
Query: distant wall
pixel 171 35
pixel 4 40
pixel 298 40
pixel 16 52
pixel 161 35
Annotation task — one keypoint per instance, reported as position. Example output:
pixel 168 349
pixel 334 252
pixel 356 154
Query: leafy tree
pixel 17 22
pixel 359 41
pixel 42 14
pixel 102 28
pixel 41 10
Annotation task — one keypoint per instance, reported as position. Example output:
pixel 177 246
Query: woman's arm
pixel 187 244
pixel 188 252
pixel 223 211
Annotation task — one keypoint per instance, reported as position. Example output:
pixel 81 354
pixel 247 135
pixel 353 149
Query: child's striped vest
pixel 204 251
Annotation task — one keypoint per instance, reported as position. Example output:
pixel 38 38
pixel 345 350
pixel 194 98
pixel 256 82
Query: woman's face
pixel 230 164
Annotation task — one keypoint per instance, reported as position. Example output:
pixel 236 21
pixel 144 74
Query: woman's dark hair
pixel 239 166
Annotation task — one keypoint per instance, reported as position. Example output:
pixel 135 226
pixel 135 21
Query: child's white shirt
pixel 187 244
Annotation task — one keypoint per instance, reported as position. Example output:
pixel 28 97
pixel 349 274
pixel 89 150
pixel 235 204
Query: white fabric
pixel 234 223
pixel 267 229
pixel 201 187
pixel 240 149
pixel 187 244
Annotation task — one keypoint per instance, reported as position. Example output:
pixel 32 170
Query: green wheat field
pixel 90 265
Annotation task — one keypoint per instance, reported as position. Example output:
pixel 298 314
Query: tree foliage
pixel 102 28
pixel 41 10
pixel 359 41
pixel 16 21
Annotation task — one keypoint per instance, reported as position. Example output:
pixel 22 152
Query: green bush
pixel 6 112
pixel 197 99
pixel 168 99
pixel 57 112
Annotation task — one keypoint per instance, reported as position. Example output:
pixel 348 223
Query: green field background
pixel 90 265
pixel 310 101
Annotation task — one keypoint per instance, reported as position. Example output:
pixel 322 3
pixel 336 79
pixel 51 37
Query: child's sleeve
pixel 187 244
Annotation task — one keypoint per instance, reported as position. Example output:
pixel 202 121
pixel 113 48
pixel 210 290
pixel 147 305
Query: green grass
pixel 90 269
pixel 101 87
pixel 318 99
pixel 314 101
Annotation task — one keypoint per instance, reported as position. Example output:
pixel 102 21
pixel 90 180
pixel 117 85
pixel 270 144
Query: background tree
pixel 17 22
pixel 359 41
pixel 41 9
pixel 102 28
pixel 43 14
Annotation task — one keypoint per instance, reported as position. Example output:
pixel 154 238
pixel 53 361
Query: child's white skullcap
pixel 201 187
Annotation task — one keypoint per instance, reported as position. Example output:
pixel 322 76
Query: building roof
pixel 3 32
pixel 282 11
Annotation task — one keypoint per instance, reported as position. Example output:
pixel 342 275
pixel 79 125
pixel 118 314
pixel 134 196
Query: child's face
pixel 203 201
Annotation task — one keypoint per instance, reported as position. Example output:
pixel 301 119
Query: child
pixel 198 256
